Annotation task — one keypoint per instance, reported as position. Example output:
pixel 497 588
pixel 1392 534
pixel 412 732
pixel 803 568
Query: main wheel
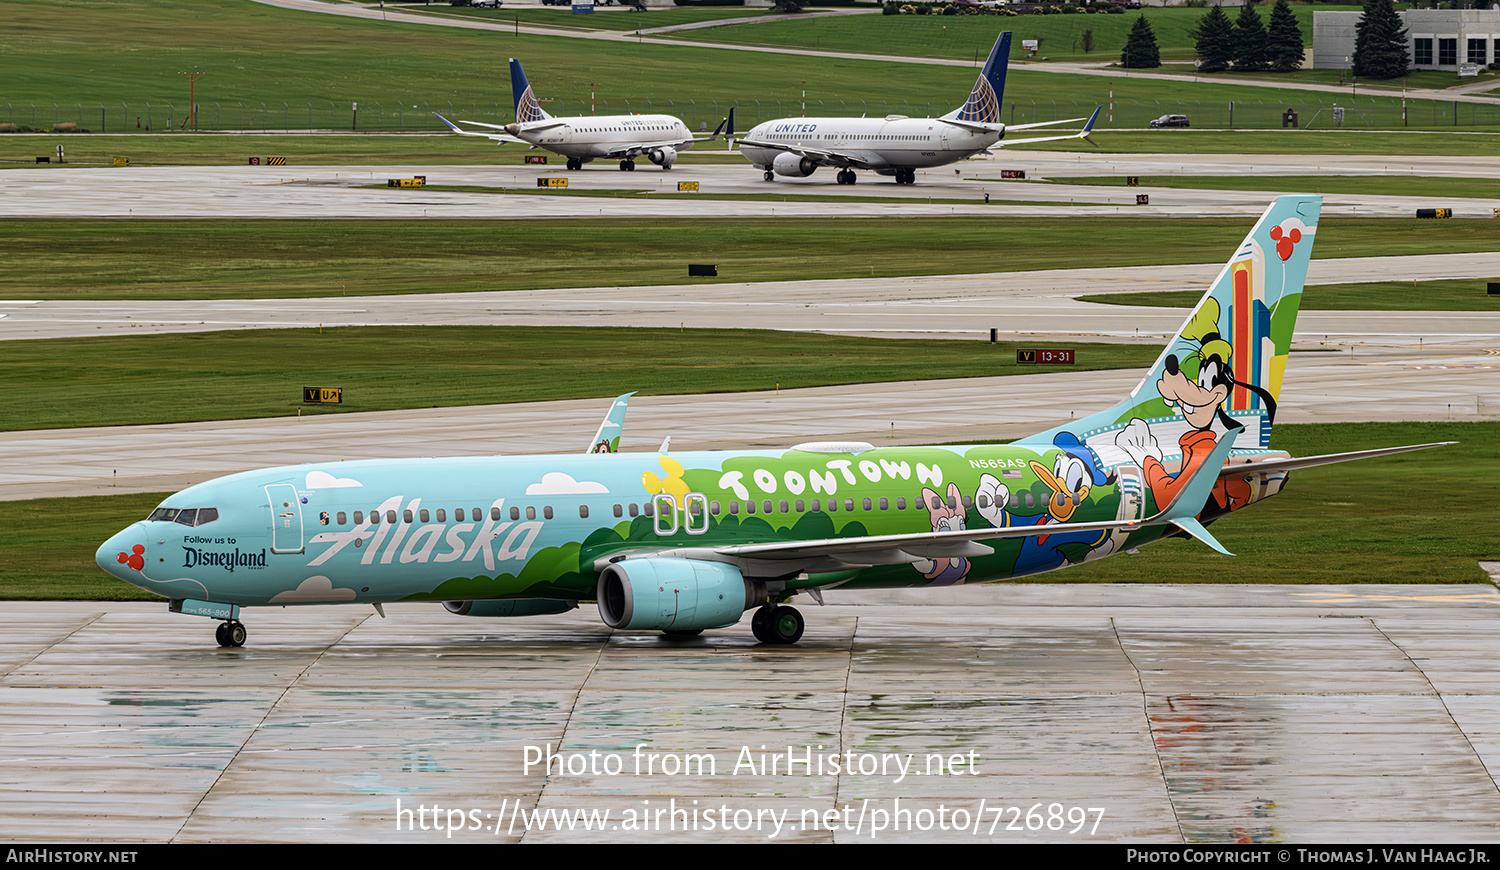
pixel 221 634
pixel 624 165
pixel 759 623
pixel 574 163
pixel 236 633
pixel 770 176
pixel 785 625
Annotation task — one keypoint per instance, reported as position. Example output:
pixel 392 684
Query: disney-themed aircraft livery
pixel 585 139
pixel 895 145
pixel 682 542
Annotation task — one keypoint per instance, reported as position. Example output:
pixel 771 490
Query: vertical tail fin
pixel 983 104
pixel 1224 367
pixel 527 108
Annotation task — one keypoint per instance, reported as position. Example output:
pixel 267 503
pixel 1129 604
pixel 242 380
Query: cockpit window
pixel 187 517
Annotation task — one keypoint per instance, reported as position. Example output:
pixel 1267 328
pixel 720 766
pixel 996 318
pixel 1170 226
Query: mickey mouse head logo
pixel 1286 235
pixel 136 558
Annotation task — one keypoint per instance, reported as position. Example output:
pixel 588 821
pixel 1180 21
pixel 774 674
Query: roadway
pixel 960 190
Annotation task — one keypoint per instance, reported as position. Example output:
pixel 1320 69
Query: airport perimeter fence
pixel 1320 111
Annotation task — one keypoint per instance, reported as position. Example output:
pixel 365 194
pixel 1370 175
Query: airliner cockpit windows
pixel 188 517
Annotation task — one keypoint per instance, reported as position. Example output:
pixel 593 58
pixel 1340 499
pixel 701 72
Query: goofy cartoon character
pixel 1200 401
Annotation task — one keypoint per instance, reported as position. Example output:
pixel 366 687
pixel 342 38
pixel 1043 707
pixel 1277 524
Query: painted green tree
pixel 1380 42
pixel 1251 45
pixel 1286 49
pixel 1140 47
pixel 1214 38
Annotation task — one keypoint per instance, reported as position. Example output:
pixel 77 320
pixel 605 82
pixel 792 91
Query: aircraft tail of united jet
pixel 527 108
pixel 1224 367
pixel 983 104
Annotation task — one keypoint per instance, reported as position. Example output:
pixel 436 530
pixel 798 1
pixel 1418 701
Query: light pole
pixel 192 101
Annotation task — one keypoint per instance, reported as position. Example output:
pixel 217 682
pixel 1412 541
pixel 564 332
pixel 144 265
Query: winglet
pixel 607 439
pixel 1184 509
pixel 451 125
pixel 1089 127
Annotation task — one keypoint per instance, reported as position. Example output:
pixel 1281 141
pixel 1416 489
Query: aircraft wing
pixel 824 156
pixel 502 138
pixel 623 152
pixel 831 554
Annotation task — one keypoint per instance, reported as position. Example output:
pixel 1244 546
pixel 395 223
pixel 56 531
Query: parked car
pixel 1171 121
pixel 1127 4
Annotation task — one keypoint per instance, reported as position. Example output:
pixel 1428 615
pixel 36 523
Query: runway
pixel 1162 714
pixel 361 191
pixel 1394 384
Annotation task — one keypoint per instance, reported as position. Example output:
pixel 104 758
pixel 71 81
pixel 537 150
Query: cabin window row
pixel 749 507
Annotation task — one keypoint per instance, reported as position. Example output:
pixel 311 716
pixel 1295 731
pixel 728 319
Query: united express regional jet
pixel 584 139
pixel 895 145
pixel 683 542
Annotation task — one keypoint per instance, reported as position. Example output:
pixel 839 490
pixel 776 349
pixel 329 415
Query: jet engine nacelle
pixel 664 156
pixel 510 607
pixel 674 594
pixel 793 165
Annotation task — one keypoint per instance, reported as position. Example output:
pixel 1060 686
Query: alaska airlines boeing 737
pixel 895 145
pixel 689 541
pixel 584 139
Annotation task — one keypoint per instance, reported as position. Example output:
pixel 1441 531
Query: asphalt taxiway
pixel 1025 713
pixel 509 191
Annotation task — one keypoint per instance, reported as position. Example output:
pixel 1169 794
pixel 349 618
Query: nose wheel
pixel 230 634
pixel 777 624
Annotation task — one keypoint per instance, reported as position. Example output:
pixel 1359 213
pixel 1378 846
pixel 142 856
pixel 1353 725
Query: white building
pixel 1441 39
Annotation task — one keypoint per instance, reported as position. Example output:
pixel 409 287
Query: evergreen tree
pixel 1251 45
pixel 1214 37
pixel 1380 42
pixel 1140 47
pixel 1286 48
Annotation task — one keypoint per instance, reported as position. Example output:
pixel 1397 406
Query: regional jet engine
pixel 794 165
pixel 664 156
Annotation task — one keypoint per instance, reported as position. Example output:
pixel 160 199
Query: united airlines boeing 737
pixel 683 542
pixel 584 139
pixel 895 145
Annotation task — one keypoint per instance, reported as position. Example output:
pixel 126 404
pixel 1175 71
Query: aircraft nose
pixel 124 555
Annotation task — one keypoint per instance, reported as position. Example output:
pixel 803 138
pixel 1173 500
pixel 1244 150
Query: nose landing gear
pixel 230 633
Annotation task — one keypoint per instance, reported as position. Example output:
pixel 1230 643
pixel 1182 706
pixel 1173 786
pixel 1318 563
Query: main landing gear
pixel 770 176
pixel 777 624
pixel 906 176
pixel 230 633
pixel 627 165
pixel 575 163
pixel 845 176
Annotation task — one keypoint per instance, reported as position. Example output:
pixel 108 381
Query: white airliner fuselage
pixel 881 144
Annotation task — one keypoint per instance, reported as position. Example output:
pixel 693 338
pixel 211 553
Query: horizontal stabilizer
pixel 1293 463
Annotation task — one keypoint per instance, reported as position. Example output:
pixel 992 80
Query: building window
pixel 1447 52
pixel 1422 52
pixel 1476 51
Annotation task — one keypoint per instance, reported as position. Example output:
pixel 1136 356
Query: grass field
pixel 443 148
pixel 1442 295
pixel 143 379
pixel 1357 522
pixel 1430 186
pixel 1369 142
pixel 603 18
pixel 230 259
pixel 109 66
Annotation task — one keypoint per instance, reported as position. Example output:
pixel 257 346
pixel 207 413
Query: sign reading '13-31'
pixel 1044 356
